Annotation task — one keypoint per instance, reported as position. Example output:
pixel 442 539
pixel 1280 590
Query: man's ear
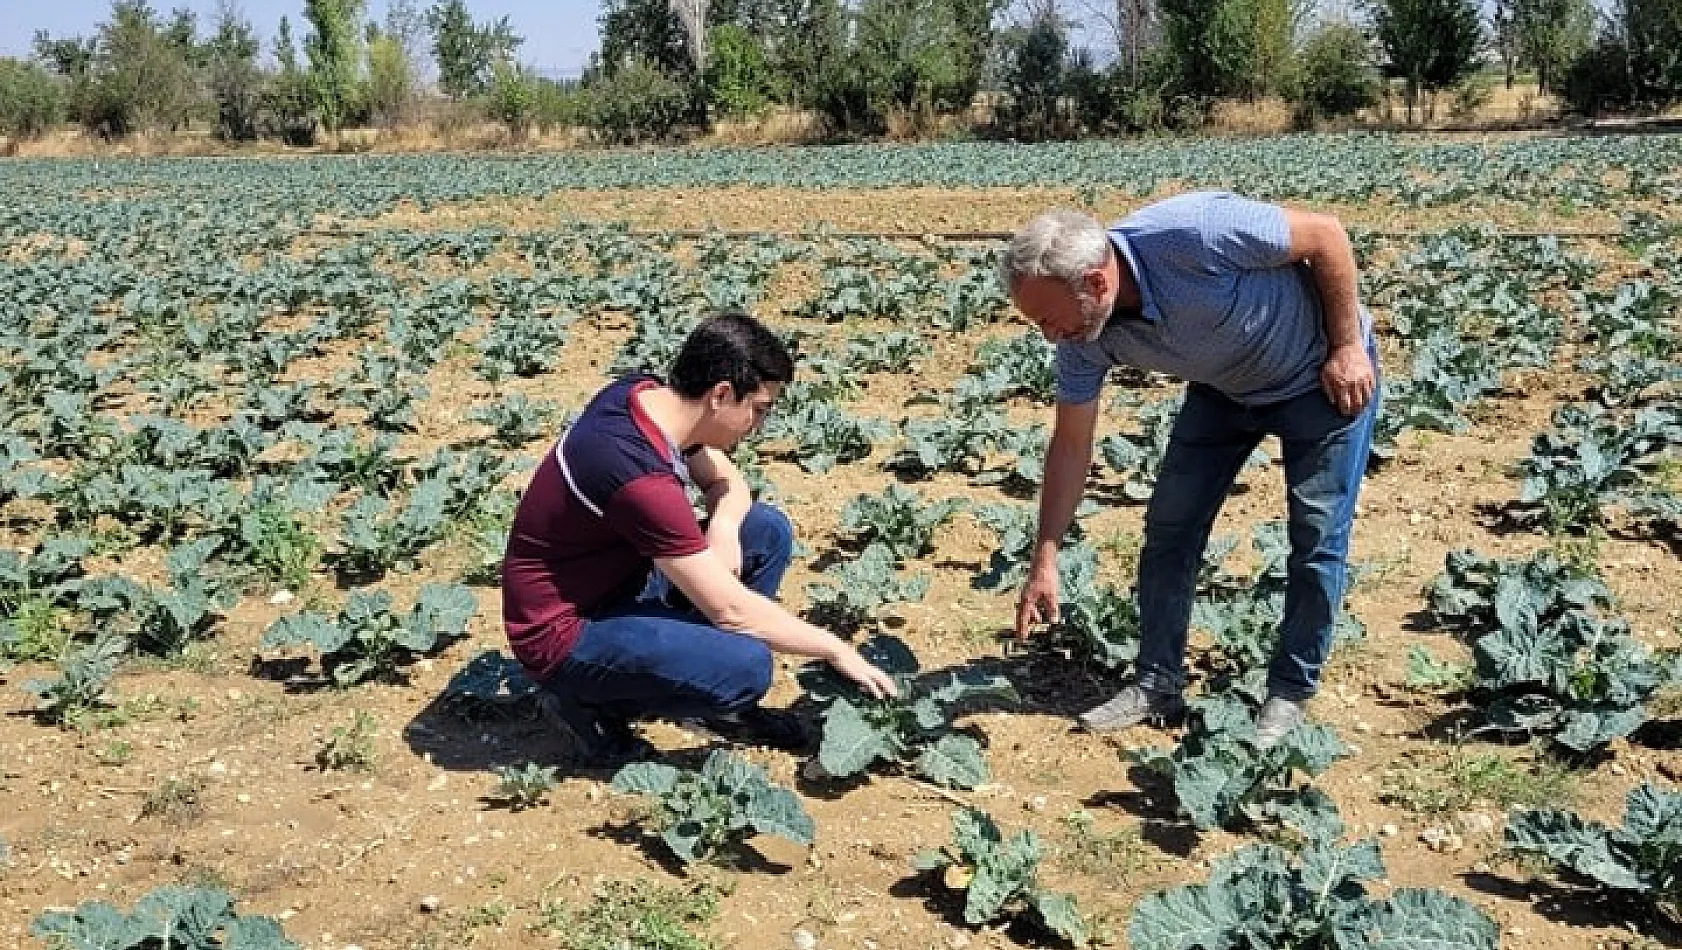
pixel 720 395
pixel 1096 282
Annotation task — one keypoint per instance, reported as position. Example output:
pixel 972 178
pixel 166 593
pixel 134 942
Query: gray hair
pixel 1061 243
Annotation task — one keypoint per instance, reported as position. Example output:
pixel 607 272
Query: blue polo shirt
pixel 1222 304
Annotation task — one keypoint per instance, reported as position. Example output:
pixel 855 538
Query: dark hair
pixel 730 348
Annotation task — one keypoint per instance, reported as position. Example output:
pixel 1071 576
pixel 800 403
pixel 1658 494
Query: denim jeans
pixel 644 657
pixel 1325 455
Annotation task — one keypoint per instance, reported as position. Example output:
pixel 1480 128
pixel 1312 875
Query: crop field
pixel 267 422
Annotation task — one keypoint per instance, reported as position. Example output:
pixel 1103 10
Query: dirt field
pixel 209 773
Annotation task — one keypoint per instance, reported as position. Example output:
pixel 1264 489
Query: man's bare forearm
pixel 1067 460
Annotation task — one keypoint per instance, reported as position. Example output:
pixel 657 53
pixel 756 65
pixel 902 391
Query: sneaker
pixel 598 741
pixel 1278 716
pixel 758 726
pixel 1132 706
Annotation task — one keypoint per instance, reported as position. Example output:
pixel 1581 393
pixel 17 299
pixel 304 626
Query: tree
pixel 236 84
pixel 913 56
pixel 1230 47
pixel 646 30
pixel 290 102
pixel 138 78
pixel 467 53
pixel 1429 44
pixel 1552 34
pixel 31 100
pixel 1032 76
pixel 737 77
pixel 391 79
pixel 333 47
pixel 68 56
pixel 1335 76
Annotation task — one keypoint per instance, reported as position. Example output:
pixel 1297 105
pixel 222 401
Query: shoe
pixel 599 741
pixel 1132 706
pixel 1277 718
pixel 758 726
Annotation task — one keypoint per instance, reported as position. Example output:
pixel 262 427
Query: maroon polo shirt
pixel 603 503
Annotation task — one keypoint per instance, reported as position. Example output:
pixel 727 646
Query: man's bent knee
pixel 746 677
pixel 771 531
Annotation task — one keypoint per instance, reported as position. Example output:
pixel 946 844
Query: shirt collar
pixel 1147 301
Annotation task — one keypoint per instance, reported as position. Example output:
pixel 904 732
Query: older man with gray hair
pixel 1256 307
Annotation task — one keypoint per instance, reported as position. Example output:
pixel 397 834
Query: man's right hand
pixel 869 677
pixel 1040 598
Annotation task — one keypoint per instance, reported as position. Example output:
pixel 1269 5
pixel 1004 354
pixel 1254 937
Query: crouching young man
pixel 605 539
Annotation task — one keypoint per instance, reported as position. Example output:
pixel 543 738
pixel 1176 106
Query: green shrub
pixel 1336 73
pixel 738 79
pixel 31 101
pixel 637 103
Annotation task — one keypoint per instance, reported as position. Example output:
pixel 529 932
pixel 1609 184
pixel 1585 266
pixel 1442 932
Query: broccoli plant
pixel 999 877
pixel 825 436
pixel 1642 858
pixel 1099 621
pixel 1022 365
pixel 366 640
pixel 898 520
pixel 385 391
pixel 852 592
pixel 1261 897
pixel 84 679
pixel 1549 657
pixel 701 814
pixel 516 420
pixel 167 918
pixel 912 731
pixel 1223 780
pixel 959 439
pixel 168 618
pixel 1591 461
pixel 521 345
pixel 524 787
pixel 897 351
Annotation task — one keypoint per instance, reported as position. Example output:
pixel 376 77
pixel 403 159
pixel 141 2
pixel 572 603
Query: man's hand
pixel 1040 598
pixel 870 677
pixel 1348 378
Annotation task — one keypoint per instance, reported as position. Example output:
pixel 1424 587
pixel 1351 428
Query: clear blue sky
pixel 560 34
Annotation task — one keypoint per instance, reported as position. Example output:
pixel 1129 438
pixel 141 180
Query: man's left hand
pixel 1348 378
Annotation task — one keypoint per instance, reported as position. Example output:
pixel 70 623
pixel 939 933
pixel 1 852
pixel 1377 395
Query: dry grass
pixel 776 127
pixel 1266 116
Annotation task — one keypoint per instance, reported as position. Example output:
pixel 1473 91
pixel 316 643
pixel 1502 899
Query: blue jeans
pixel 643 657
pixel 1325 457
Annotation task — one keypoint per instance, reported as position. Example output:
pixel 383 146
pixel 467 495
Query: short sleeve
pixel 1246 234
pixel 1079 377
pixel 653 514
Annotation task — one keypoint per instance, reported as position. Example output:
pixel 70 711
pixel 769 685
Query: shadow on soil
pixel 745 859
pixel 1579 906
pixel 1151 800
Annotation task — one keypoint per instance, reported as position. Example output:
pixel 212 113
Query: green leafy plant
pixel 84 679
pixel 1223 780
pixel 703 813
pixel 999 877
pixel 525 786
pixel 367 640
pixel 852 593
pixel 348 747
pixel 517 419
pixel 1549 658
pixel 898 520
pixel 1643 857
pixel 636 913
pixel 1261 897
pixel 913 731
pixel 167 918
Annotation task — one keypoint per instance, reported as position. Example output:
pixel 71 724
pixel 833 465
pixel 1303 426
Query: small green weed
pixel 1439 783
pixel 176 801
pixel 1089 850
pixel 348 747
pixel 637 913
